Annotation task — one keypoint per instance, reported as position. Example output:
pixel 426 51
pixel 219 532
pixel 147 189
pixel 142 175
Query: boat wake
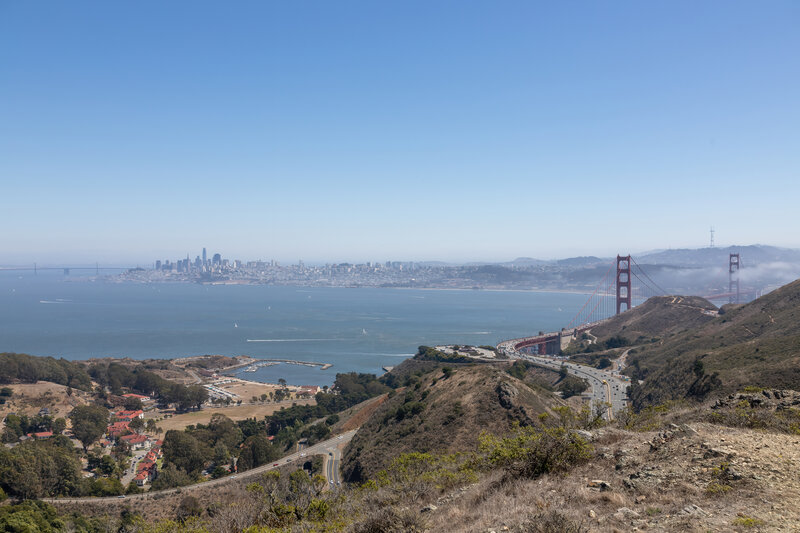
pixel 294 340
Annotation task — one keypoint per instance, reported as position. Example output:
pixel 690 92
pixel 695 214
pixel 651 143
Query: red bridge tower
pixel 733 278
pixel 623 282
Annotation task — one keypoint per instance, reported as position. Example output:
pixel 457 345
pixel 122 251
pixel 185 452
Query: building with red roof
pixel 129 415
pixel 118 428
pixel 136 441
pixel 140 397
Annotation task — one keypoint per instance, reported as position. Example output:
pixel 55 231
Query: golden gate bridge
pixel 624 283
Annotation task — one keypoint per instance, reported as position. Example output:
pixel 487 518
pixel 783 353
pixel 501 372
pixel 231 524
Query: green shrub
pixel 531 452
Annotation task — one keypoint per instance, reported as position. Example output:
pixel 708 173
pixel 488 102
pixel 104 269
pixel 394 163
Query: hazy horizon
pixel 42 261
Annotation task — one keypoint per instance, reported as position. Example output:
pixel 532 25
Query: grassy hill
pixel 444 411
pixel 658 317
pixel 757 344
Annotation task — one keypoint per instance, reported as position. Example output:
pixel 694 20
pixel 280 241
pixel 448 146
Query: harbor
pixel 253 367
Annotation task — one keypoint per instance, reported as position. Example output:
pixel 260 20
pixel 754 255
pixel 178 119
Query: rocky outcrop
pixel 774 399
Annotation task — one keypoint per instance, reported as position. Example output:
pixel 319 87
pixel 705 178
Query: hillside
pixel 657 317
pixel 443 414
pixel 757 344
pixel 714 257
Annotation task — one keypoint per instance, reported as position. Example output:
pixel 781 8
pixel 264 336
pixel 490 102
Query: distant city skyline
pixel 413 131
pixel 217 256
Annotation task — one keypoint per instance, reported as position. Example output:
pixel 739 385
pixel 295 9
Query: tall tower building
pixel 205 257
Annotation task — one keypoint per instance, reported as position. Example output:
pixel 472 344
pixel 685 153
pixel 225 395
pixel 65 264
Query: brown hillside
pixel 658 317
pixel 755 344
pixel 443 414
pixel 30 398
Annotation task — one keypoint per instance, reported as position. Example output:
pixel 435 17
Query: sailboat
pixel 235 325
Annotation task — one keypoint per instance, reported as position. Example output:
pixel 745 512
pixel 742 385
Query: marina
pixel 253 368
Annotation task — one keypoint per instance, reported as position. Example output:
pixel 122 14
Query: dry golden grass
pixel 247 389
pixel 239 412
pixel 28 398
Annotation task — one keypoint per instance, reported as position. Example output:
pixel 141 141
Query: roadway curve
pixel 321 448
pixel 606 387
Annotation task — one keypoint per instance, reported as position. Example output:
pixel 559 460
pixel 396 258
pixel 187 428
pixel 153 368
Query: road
pixel 321 448
pixel 130 473
pixel 605 387
pixel 332 465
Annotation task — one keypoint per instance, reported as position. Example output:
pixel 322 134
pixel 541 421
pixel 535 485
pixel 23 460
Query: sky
pixel 413 130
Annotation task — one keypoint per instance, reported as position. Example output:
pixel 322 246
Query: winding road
pixel 325 447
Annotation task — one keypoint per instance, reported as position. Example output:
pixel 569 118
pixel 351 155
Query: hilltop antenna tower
pixel 733 278
pixel 712 237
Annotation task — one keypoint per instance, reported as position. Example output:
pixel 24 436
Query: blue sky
pixel 334 131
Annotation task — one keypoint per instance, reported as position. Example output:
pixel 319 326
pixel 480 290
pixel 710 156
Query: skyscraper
pixel 205 259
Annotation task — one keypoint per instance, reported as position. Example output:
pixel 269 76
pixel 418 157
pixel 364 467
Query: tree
pixel 137 424
pixel 59 424
pixel 133 404
pixel 107 465
pixel 88 423
pixel 197 395
pixel 220 453
pixel 256 451
pixel 169 477
pixel 225 431
pixel 184 451
pixel 36 469
pixel 121 449
pixel 218 472
pixel 282 382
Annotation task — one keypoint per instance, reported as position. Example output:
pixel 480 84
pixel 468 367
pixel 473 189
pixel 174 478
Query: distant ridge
pixel 715 257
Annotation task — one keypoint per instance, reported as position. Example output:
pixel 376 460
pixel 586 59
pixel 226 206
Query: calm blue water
pixel 355 329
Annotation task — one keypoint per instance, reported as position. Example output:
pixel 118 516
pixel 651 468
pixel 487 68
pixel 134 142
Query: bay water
pixel 362 329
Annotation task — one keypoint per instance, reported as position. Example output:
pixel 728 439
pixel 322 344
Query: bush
pixel 391 520
pixel 552 522
pixel 531 452
pixel 414 476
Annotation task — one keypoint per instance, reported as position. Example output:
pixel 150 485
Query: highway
pixel 605 387
pixel 321 448
pixel 332 465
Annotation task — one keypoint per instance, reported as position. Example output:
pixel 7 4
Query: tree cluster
pixel 118 377
pixel 19 425
pixel 23 368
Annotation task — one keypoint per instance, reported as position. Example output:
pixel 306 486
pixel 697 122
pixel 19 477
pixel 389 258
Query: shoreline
pixel 254 283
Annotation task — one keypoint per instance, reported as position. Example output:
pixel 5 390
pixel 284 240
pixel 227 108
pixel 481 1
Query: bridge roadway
pixel 605 387
pixel 326 447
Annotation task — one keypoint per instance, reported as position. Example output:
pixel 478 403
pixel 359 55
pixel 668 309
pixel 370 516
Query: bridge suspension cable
pixel 603 302
pixel 656 287
pixel 599 296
